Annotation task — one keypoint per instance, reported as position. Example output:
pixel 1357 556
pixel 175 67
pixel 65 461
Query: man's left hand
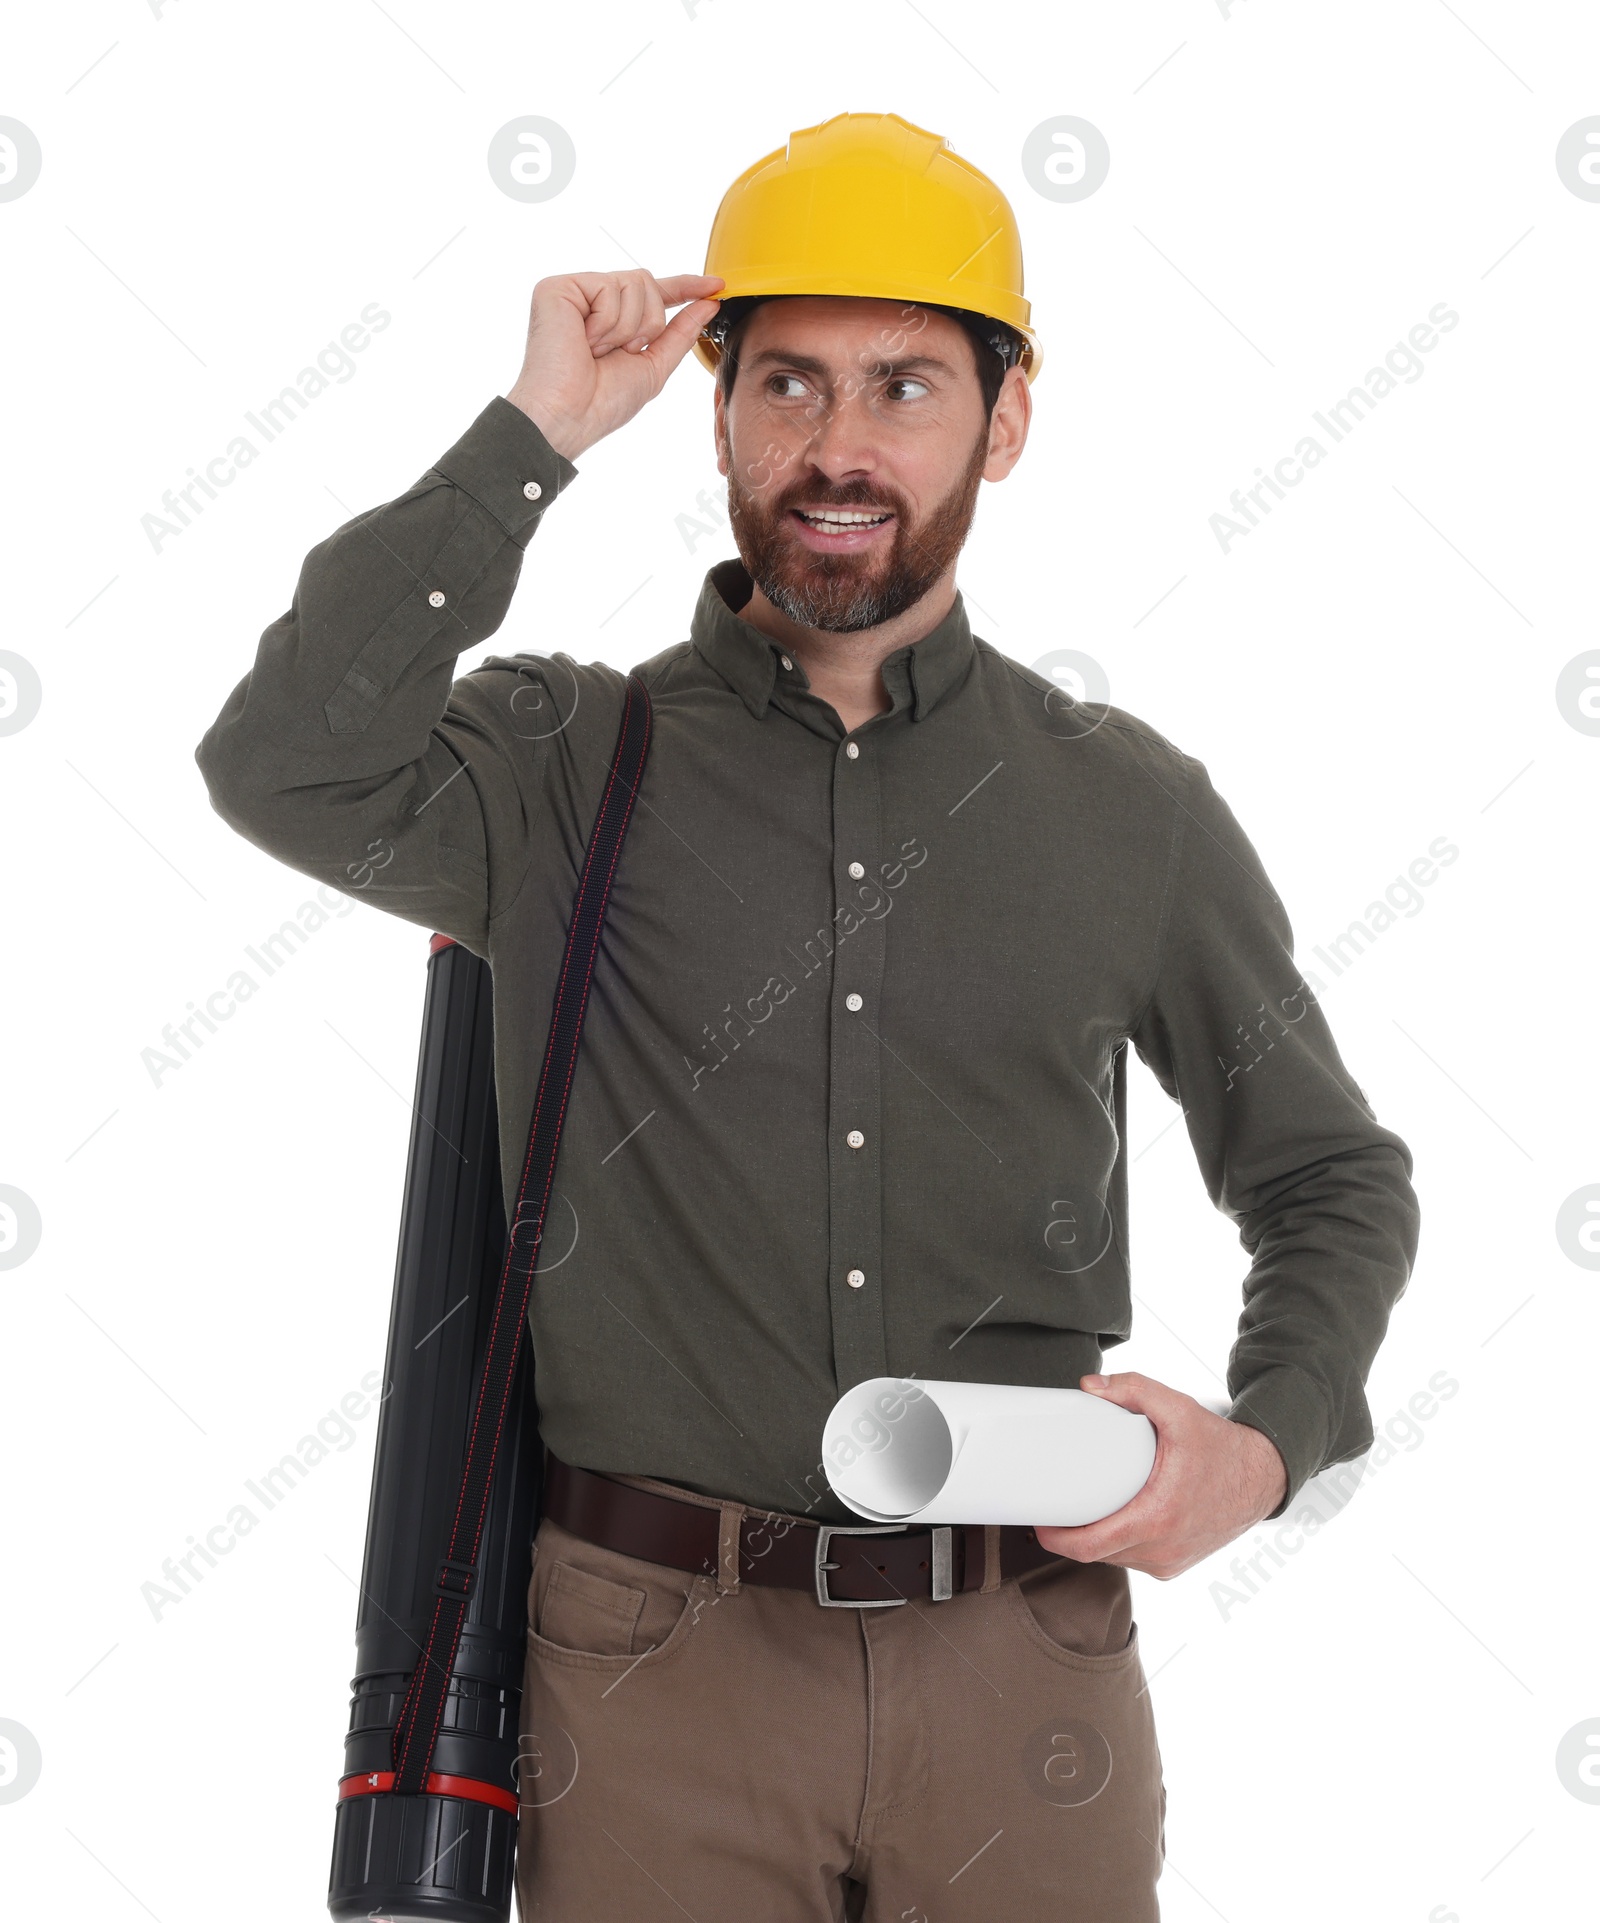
pixel 1211 1481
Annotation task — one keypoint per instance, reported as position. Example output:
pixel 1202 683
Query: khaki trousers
pixel 691 1750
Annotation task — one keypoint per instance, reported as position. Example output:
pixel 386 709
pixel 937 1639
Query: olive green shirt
pixel 850 1100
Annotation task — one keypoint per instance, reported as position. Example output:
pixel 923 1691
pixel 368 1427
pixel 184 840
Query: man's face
pixel 853 440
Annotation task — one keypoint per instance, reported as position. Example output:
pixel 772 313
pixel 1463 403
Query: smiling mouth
pixel 842 520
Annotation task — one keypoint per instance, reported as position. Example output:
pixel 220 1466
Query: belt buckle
pixel 940 1585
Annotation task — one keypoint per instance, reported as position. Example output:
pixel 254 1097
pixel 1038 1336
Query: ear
pixel 719 429
pixel 1008 425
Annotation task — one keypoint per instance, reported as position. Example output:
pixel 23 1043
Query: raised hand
pixel 600 346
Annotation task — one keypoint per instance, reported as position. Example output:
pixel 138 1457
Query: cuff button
pixel 533 490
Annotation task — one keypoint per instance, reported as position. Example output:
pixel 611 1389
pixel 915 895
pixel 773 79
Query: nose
pixel 843 443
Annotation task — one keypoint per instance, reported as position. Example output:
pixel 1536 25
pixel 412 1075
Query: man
pixel 850 1097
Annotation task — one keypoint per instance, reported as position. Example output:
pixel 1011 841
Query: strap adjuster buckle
pixel 455 1579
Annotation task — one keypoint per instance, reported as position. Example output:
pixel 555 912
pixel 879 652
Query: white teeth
pixel 843 517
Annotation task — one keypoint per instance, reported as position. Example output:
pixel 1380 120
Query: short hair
pixel 995 346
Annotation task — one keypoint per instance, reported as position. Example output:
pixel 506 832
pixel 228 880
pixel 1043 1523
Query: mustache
pixel 860 494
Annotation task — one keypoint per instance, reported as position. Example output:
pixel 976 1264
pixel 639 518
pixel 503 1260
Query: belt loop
pixel 732 1516
pixel 991 1558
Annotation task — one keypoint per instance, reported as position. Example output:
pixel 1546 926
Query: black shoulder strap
pixel 418 1726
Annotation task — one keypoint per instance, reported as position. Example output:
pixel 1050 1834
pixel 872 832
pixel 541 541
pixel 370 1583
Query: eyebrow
pixel 808 364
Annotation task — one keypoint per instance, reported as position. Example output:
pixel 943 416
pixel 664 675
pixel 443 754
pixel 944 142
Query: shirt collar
pixel 918 675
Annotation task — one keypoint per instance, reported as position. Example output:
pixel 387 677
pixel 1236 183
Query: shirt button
pixel 436 599
pixel 856 870
pixel 857 1278
pixel 532 490
pixel 785 660
pixel 852 749
pixel 852 1002
pixel 856 1139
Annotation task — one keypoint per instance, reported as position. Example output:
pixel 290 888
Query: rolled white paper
pixel 898 1450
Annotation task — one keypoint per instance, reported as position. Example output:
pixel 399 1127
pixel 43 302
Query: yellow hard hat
pixel 870 206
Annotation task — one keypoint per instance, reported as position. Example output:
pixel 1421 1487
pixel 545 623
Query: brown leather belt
pixel 858 1567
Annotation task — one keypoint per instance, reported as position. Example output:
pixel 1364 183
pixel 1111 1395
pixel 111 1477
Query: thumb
pixel 1128 1390
pixel 678 336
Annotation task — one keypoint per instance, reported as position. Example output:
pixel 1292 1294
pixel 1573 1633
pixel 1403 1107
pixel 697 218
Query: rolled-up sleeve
pixel 1287 1145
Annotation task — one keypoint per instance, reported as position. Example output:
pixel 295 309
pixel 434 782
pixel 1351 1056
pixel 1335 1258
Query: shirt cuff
pixel 1289 1408
pixel 508 467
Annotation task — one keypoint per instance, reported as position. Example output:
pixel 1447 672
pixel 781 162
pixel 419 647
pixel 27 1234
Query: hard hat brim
pixel 708 351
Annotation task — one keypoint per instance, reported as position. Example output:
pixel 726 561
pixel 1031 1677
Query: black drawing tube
pixel 447 1854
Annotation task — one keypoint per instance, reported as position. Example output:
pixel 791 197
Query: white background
pixel 1374 1731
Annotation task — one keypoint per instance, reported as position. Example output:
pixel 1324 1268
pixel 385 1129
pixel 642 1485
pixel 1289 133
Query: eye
pixel 787 387
pixel 904 388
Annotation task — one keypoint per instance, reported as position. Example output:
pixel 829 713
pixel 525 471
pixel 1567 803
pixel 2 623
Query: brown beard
pixel 844 593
